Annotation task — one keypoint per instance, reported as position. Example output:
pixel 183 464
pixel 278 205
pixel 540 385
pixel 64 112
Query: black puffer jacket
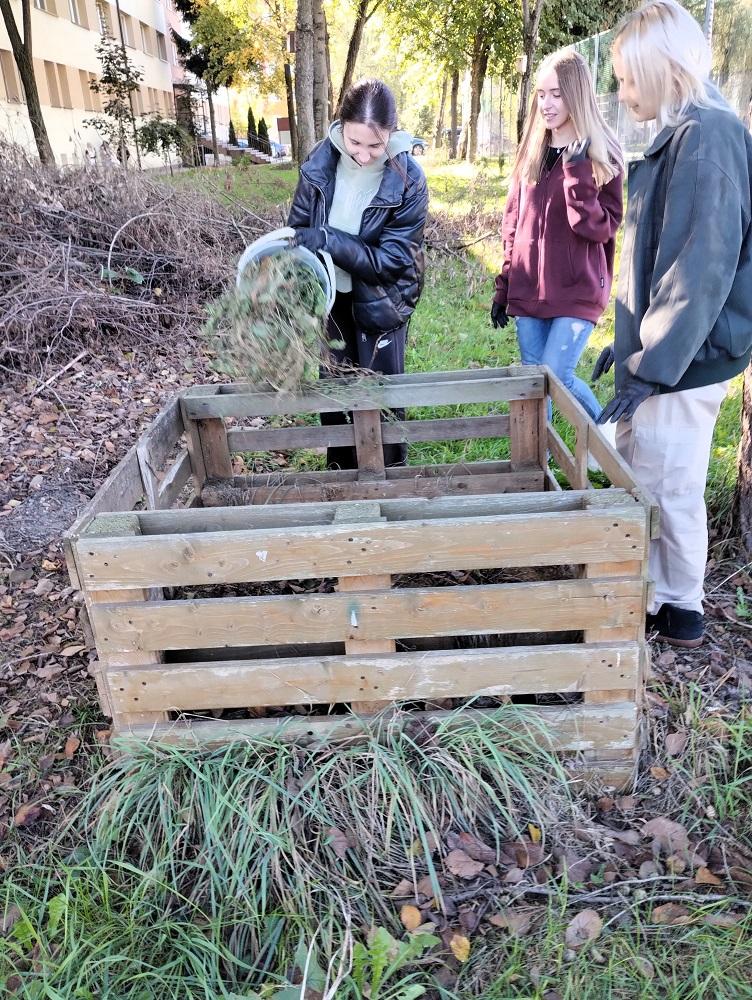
pixel 385 260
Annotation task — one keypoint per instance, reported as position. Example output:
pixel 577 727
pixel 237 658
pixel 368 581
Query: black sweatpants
pixel 379 352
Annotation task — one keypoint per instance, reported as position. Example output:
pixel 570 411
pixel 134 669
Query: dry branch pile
pixel 89 254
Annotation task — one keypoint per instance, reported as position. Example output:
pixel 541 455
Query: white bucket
pixel 273 243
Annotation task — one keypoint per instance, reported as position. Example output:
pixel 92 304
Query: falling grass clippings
pixel 271 328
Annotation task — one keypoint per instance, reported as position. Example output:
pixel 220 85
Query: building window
pixel 91 97
pixel 146 43
pixel 11 80
pixel 127 23
pixel 105 18
pixel 73 10
pixel 161 47
pixel 52 88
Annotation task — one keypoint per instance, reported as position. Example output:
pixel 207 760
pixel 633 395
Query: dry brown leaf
pixel 724 919
pixel 535 833
pixel 462 865
pixel 582 928
pixel 403 888
pixel 71 650
pixel 670 837
pixel 675 743
pixel 645 967
pixel 626 803
pixel 660 773
pixel 514 875
pixel 704 876
pixel 475 848
pixel 630 837
pixel 672 914
pixel 416 848
pixel 604 803
pixel 338 841
pixel 460 946
pixel 647 869
pixel 27 813
pixel 5 751
pixel 71 745
pixel 425 886
pixel 517 922
pixel 410 917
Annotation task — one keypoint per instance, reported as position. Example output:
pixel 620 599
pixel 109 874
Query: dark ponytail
pixel 370 102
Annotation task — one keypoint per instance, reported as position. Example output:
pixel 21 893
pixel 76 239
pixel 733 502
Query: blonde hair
pixel 576 86
pixel 667 56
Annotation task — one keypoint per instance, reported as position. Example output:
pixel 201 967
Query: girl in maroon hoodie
pixel 560 222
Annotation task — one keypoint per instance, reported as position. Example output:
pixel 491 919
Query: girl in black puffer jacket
pixel 362 198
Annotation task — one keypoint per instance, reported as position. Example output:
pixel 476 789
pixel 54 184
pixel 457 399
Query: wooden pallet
pixel 374 639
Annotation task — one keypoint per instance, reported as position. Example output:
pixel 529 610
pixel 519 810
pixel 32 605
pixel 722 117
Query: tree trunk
pixel 743 497
pixel 530 26
pixel 478 69
pixel 453 115
pixel 291 110
pixel 320 75
pixel 329 86
pixel 304 79
pixel 22 53
pixel 212 125
pixel 439 133
pixel 361 19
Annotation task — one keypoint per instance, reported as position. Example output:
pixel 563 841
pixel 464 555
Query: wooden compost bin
pixel 172 527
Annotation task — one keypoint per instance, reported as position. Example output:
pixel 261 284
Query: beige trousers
pixel 667 444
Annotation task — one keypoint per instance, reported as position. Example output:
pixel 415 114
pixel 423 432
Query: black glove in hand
pixel 312 238
pixel 499 318
pixel 576 151
pixel 604 363
pixel 626 400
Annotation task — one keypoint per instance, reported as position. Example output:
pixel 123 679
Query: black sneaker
pixel 676 626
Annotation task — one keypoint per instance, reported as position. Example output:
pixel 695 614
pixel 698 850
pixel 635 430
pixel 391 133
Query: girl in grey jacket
pixel 684 308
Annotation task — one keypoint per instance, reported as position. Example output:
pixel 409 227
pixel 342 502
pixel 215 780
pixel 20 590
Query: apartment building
pixel 65 34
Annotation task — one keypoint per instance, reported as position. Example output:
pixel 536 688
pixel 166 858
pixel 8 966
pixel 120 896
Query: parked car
pixel 419 146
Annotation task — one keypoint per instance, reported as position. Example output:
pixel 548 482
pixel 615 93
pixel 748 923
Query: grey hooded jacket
pixel 684 302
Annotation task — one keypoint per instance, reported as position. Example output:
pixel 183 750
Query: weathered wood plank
pixel 175 481
pixel 574 728
pixel 561 454
pixel 162 436
pixel 309 680
pixel 368 445
pixel 405 378
pixel 366 394
pixel 109 658
pixel 168 522
pixel 524 433
pixel 393 432
pixel 562 605
pixel 212 436
pixel 317 551
pixel 420 482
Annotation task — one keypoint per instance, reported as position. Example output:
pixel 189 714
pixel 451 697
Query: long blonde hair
pixel 576 86
pixel 666 54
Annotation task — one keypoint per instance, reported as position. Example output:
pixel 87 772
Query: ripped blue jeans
pixel 558 343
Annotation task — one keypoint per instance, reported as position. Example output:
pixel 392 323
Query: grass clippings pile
pixel 88 256
pixel 270 329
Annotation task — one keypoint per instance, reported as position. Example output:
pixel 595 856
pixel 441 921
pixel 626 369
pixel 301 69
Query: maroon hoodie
pixel 559 252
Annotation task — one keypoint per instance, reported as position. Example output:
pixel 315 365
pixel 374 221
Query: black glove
pixel 576 151
pixel 499 318
pixel 604 363
pixel 312 238
pixel 626 400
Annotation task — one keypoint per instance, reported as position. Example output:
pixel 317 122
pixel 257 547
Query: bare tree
pixel 743 497
pixel 22 53
pixel 530 26
pixel 304 79
pixel 320 71
pixel 363 14
pixel 439 132
pixel 453 114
